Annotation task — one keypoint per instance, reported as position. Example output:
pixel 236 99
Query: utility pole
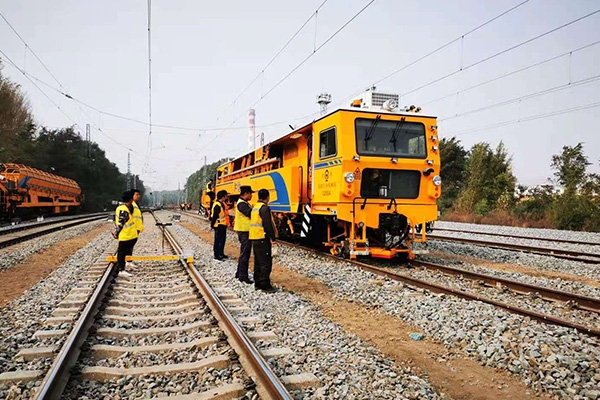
pixel 203 174
pixel 262 139
pixel 128 171
pixel 135 181
pixel 88 139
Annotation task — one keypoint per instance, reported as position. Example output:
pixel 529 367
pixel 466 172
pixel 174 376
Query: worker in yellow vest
pixel 241 224
pixel 137 216
pixel 219 221
pixel 126 232
pixel 210 192
pixel 262 234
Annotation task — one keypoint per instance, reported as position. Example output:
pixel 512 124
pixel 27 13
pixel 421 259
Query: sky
pixel 205 55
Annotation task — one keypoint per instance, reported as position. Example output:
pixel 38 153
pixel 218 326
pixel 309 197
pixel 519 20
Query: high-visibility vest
pixel 257 231
pixel 241 223
pixel 223 216
pixel 129 230
pixel 137 216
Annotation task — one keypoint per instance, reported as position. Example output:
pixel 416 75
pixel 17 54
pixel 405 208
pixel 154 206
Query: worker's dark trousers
pixel 263 263
pixel 219 242
pixel 125 249
pixel 245 250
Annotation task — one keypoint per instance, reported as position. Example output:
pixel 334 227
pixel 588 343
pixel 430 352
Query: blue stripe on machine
pixel 283 199
pixel 24 181
pixel 279 208
pixel 331 163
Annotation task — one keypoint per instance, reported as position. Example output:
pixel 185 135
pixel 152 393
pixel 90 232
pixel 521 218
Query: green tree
pixel 577 207
pixel 453 159
pixel 16 123
pixel 489 181
pixel 570 167
pixel 536 205
pixel 196 182
pixel 65 153
pixel 59 151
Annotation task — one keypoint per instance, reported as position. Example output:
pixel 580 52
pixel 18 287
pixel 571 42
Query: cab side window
pixel 328 144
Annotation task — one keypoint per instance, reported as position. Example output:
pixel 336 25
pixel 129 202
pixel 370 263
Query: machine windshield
pixel 389 183
pixel 401 139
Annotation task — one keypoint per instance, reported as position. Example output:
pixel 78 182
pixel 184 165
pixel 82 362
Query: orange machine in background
pixel 28 191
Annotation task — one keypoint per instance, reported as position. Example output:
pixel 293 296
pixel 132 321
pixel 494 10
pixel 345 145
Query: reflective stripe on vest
pixel 129 230
pixel 257 231
pixel 223 217
pixel 241 223
pixel 137 216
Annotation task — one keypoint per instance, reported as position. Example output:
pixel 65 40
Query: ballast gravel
pixel 554 234
pixel 549 358
pixel 346 366
pixel 590 271
pixel 553 283
pixel 584 270
pixel 552 359
pixel 21 318
pixel 13 255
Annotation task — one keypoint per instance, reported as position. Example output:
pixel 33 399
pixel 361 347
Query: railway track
pixel 163 323
pixel 572 300
pixel 543 239
pixel 18 234
pixel 584 257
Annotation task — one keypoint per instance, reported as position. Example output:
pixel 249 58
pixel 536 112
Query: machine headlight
pixel 437 180
pixel 349 177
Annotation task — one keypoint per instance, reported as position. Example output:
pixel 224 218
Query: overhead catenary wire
pixel 31 50
pixel 569 85
pixel 30 77
pixel 291 72
pixel 526 119
pixel 149 146
pixel 461 37
pixel 485 59
pixel 537 64
pixel 263 69
pixel 38 88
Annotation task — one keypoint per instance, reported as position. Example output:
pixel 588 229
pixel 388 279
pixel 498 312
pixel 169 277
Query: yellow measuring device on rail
pixel 186 258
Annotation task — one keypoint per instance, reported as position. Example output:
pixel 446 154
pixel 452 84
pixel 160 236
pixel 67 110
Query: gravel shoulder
pixel 20 319
pixel 20 277
pixel 450 373
pixel 12 255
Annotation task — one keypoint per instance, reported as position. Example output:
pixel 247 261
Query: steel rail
pixel 57 377
pixel 436 288
pixel 543 239
pixel 543 251
pixel 24 227
pixel 57 226
pixel 268 384
pixel 577 300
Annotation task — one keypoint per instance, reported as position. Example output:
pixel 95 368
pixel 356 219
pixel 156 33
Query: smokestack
pixel 251 132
